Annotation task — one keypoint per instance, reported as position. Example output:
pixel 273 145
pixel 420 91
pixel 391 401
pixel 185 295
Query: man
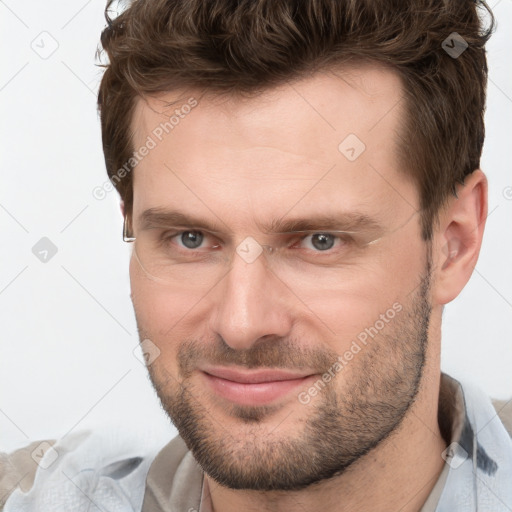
pixel 301 186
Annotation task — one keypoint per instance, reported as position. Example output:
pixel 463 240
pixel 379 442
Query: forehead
pixel 306 144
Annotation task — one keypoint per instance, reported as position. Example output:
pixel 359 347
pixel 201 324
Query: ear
pixel 122 208
pixel 459 237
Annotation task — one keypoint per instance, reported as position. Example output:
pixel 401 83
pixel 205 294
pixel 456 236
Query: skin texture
pixel 240 162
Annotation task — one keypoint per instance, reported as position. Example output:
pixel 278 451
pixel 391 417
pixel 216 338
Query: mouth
pixel 254 388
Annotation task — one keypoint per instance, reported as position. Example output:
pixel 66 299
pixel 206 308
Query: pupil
pixel 191 239
pixel 322 241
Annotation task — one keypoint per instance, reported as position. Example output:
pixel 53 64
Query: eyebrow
pixel 343 221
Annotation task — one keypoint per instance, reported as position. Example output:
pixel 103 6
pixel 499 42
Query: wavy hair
pixel 246 46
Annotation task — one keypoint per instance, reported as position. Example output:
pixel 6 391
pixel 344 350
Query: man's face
pixel 348 316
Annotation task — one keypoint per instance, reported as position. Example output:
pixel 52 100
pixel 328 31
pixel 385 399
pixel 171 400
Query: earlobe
pixel 459 238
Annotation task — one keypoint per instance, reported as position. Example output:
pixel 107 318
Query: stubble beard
pixel 342 425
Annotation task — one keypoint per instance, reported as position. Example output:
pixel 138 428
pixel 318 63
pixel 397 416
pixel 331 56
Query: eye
pixel 191 239
pixel 187 241
pixel 321 241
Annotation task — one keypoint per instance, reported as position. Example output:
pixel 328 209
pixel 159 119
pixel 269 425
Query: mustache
pixel 275 353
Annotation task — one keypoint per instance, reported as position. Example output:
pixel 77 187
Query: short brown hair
pixel 233 46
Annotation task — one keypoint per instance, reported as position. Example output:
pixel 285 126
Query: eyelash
pixel 168 236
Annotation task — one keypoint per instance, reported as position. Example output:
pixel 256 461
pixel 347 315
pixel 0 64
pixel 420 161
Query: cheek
pixel 164 313
pixel 152 303
pixel 349 315
pixel 155 320
pixel 372 301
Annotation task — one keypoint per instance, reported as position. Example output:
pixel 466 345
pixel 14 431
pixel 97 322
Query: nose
pixel 251 303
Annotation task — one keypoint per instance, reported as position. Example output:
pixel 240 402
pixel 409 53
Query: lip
pixel 256 387
pixel 253 377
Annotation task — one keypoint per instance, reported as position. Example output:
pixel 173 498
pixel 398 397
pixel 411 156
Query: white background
pixel 68 332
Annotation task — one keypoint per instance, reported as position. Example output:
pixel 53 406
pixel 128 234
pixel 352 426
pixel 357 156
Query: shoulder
pixel 18 468
pixel 101 467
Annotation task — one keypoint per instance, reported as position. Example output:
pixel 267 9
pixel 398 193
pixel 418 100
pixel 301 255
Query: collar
pixel 478 471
